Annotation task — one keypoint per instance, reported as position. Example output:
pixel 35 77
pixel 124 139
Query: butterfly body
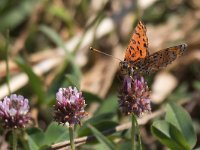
pixel 137 59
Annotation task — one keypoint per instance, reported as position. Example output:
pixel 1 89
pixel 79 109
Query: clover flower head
pixel 14 111
pixel 69 107
pixel 134 96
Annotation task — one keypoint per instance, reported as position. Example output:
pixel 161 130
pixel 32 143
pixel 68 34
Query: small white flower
pixel 14 111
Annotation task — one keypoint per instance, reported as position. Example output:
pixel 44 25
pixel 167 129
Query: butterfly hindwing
pixel 160 59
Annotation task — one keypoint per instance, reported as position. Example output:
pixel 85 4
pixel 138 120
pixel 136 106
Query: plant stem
pixel 138 131
pixel 23 139
pixel 133 133
pixel 14 142
pixel 71 134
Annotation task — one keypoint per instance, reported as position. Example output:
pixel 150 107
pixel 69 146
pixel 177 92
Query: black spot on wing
pixel 131 47
pixel 138 34
pixel 133 41
pixel 140 52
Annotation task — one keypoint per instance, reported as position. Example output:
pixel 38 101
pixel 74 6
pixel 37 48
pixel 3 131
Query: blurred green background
pixel 46 44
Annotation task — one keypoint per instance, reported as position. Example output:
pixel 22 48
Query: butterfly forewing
pixel 138 44
pixel 159 59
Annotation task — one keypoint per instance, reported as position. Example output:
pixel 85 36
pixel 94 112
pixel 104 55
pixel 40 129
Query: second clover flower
pixel 69 107
pixel 134 96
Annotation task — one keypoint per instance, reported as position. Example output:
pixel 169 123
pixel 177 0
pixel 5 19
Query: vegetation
pixel 45 45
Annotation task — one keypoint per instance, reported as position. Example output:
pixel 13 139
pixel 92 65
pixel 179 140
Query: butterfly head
pixel 124 66
pixel 128 68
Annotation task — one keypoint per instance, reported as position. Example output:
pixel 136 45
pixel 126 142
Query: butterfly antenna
pixel 93 49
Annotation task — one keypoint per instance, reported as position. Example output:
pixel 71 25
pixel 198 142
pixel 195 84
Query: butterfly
pixel 137 59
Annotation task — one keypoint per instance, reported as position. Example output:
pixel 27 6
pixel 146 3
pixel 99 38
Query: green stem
pixel 133 133
pixel 14 141
pixel 71 134
pixel 23 139
pixel 138 132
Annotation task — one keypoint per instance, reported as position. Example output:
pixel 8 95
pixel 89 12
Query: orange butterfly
pixel 137 59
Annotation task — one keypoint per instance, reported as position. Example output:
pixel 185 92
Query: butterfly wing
pixel 138 44
pixel 160 59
